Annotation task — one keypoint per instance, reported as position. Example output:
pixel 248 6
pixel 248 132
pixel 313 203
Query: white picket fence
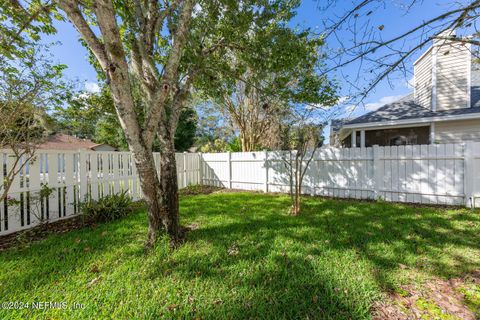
pixel 74 175
pixel 446 174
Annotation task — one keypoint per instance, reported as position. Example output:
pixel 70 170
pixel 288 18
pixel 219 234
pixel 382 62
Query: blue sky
pixel 71 53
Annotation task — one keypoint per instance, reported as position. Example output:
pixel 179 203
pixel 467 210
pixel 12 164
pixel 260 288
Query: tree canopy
pixel 171 47
pixel 92 115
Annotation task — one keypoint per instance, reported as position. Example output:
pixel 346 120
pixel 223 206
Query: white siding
pixel 442 75
pixel 457 131
pixel 452 75
pixel 423 80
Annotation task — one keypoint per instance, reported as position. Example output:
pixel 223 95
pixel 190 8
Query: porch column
pixel 362 139
pixel 432 132
pixel 354 138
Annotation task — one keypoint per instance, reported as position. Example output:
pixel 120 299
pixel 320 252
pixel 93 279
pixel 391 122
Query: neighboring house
pixel 335 127
pixel 62 141
pixel 444 107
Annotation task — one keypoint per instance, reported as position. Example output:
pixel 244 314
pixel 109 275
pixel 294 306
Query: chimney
pixel 443 73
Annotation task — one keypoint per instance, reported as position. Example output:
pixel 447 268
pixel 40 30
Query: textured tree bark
pixel 169 207
pixel 152 191
pixel 248 140
pixel 160 196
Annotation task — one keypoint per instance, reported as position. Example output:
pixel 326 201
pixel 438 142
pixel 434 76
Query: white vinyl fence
pixel 446 174
pixel 74 176
pixel 431 174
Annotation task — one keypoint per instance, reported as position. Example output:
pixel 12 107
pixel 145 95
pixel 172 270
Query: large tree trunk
pixel 111 53
pixel 169 196
pixel 152 191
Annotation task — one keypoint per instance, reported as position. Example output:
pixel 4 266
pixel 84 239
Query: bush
pixel 108 208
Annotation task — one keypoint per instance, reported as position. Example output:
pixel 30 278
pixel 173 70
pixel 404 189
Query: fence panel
pixel 431 174
pixel 428 174
pixel 74 176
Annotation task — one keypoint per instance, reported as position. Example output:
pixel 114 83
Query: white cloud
pixel 92 87
pixel 350 108
pixel 383 101
pixel 342 100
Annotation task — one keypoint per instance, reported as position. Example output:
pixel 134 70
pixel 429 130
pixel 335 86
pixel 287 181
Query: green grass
pixel 248 259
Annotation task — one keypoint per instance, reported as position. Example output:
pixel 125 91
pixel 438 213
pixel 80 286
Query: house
pixel 62 141
pixel 444 107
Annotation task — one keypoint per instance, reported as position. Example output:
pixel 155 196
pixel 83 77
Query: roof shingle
pixel 406 108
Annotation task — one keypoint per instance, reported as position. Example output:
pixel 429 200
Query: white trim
pixel 343 133
pixel 354 139
pixel 423 55
pixel 412 121
pixel 469 75
pixel 433 97
pixel 432 133
pixel 362 139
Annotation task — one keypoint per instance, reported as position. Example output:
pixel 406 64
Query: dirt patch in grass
pixel 25 237
pixel 457 298
pixel 198 190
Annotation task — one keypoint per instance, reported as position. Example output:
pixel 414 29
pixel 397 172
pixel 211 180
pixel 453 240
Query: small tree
pixel 304 140
pixel 301 135
pixel 19 134
pixel 29 84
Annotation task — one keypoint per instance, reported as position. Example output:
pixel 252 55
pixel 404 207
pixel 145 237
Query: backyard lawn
pixel 245 258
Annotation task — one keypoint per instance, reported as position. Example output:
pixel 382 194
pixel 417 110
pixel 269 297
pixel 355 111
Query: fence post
pixel 229 163
pixel 377 172
pixel 184 169
pixel 82 174
pixel 200 169
pixel 475 173
pixel 265 186
pixel 469 174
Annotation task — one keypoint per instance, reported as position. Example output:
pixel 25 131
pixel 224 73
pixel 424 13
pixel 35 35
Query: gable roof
pixel 62 141
pixel 337 124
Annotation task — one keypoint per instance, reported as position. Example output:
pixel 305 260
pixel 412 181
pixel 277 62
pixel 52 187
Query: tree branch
pixel 70 7
pixel 170 72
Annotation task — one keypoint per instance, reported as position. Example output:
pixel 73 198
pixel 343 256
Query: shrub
pixel 107 208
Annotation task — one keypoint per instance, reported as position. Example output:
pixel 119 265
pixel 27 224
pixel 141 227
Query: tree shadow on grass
pixel 379 238
pixel 249 259
pixel 60 255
